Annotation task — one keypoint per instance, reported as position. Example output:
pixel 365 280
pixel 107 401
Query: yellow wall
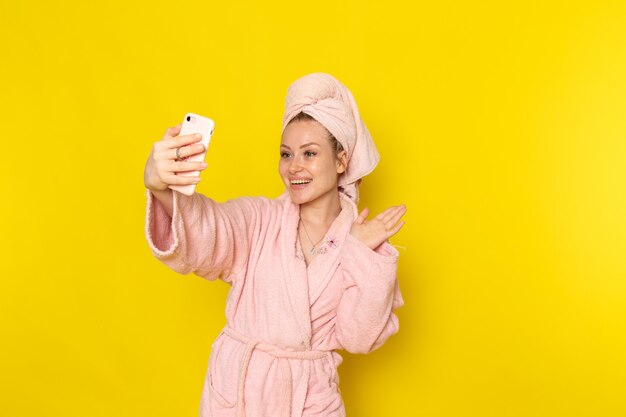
pixel 501 125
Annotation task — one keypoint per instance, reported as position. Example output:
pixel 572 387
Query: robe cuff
pixel 384 253
pixel 163 232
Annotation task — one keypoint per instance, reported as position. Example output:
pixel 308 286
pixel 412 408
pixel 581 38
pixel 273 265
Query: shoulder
pixel 257 206
pixel 260 202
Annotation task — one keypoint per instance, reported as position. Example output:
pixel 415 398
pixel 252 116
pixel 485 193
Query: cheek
pixel 282 168
pixel 330 170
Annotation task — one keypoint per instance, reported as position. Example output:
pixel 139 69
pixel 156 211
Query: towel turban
pixel 328 101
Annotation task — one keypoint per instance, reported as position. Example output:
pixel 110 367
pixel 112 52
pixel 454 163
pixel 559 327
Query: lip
pixel 296 187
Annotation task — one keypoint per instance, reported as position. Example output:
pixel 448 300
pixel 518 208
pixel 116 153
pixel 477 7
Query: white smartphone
pixel 194 123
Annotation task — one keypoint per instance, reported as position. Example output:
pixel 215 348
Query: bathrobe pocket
pixel 223 373
pixel 323 396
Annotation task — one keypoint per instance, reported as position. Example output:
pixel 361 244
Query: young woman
pixel 308 273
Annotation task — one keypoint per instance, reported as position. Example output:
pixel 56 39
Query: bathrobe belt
pixel 277 352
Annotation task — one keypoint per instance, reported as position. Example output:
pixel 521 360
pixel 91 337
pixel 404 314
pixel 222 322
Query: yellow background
pixel 501 125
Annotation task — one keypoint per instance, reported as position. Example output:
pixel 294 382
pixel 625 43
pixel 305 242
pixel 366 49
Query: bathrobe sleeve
pixel 203 237
pixel 365 315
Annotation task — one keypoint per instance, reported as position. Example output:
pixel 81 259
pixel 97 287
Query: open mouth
pixel 299 184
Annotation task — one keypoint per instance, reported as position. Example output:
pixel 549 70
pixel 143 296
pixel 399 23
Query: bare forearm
pixel 166 198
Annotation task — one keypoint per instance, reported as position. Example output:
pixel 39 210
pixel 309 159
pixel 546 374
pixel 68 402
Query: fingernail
pixel 197 136
pixel 197 179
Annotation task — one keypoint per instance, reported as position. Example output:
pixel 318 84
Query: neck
pixel 322 211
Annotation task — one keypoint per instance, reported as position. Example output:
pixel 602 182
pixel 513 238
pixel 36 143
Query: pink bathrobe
pixel 276 355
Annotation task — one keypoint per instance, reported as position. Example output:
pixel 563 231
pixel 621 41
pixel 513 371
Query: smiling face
pixel 308 164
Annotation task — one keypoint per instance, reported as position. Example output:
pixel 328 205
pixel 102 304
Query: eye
pixel 284 154
pixel 309 154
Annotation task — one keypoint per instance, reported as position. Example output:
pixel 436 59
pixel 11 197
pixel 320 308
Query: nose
pixel 295 166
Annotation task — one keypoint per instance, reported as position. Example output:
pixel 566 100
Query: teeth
pixel 298 182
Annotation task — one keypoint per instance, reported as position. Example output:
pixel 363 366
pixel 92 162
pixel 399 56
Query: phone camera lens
pixel 188 118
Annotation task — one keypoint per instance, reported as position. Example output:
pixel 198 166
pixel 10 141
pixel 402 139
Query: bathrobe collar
pixel 295 273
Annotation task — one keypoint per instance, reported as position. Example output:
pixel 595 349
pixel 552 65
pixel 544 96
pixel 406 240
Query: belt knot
pixel 277 352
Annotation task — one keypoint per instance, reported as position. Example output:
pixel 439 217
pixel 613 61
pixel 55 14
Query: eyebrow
pixel 282 145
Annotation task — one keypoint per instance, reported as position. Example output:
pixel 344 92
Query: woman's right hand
pixel 162 166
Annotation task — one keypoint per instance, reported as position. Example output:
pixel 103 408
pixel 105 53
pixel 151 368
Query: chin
pixel 298 199
pixel 309 194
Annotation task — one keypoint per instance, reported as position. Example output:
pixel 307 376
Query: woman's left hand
pixel 374 232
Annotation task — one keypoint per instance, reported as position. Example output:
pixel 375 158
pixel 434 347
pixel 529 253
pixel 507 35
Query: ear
pixel 342 162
